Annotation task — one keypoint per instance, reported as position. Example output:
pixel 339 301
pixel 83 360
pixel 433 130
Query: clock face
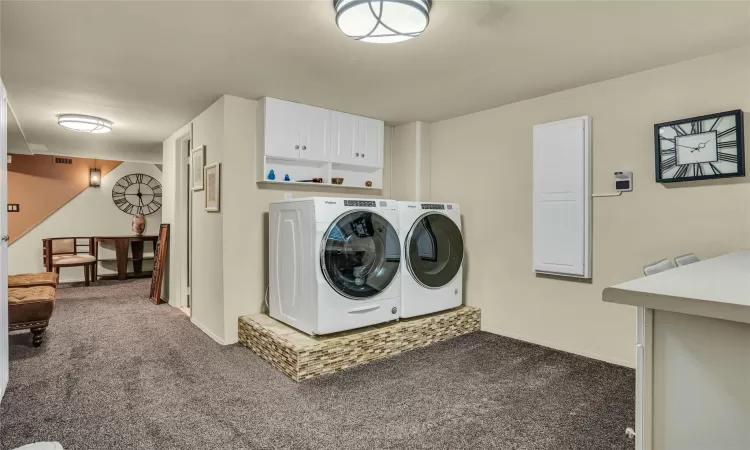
pixel 137 194
pixel 700 148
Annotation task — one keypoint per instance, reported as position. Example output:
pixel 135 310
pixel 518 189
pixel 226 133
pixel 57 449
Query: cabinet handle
pixel 363 155
pixel 296 147
pixel 304 147
pixel 357 155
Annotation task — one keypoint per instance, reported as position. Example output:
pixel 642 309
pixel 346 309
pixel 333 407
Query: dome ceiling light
pixel 86 124
pixel 382 21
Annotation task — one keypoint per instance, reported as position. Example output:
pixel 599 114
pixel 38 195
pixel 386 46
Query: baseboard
pixel 81 280
pixel 608 359
pixel 210 333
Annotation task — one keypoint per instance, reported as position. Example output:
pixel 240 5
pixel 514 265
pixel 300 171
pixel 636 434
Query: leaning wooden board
pixel 160 259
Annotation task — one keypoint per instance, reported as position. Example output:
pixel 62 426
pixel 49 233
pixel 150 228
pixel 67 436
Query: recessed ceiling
pixel 150 67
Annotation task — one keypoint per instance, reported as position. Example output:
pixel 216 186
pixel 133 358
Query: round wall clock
pixel 700 148
pixel 137 194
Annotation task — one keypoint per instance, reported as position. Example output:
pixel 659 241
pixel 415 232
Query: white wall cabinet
pixel 562 198
pixel 300 142
pixel 314 129
pixel 344 137
pixel 296 131
pixel 371 139
pixel 355 140
pixel 281 135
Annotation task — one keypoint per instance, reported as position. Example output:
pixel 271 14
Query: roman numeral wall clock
pixel 700 148
pixel 137 194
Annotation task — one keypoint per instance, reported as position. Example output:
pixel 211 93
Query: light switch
pixel 14 207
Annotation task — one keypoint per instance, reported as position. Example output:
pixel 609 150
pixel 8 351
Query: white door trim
pixel 4 353
pixel 178 251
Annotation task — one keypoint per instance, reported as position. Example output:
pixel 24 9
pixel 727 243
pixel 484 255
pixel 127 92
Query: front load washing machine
pixel 433 255
pixel 334 264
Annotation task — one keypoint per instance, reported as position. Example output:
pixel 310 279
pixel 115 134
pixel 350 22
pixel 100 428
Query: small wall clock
pixel 700 148
pixel 137 194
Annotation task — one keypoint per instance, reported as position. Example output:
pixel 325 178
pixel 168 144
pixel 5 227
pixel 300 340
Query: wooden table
pixel 693 354
pixel 135 243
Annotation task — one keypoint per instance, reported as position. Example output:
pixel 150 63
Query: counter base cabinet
pixel 699 378
pixel 306 142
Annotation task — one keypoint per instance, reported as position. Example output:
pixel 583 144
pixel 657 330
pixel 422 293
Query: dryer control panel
pixel 432 206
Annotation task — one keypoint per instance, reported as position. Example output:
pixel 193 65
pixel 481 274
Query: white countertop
pixel 717 287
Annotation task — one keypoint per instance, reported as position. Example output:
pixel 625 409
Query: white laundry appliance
pixel 433 256
pixel 334 263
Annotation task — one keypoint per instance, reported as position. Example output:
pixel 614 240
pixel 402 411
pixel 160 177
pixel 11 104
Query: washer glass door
pixel 435 250
pixel 361 254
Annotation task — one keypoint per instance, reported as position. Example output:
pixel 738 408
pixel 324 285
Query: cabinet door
pixel 314 125
pixel 344 138
pixel 281 135
pixel 371 139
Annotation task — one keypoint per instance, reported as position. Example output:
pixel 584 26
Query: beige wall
pixel 410 170
pixel 483 162
pixel 230 248
pixel 207 288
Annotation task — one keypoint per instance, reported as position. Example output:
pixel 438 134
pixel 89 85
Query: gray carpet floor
pixel 117 372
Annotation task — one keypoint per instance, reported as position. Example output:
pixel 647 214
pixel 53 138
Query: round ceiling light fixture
pixel 382 21
pixel 85 124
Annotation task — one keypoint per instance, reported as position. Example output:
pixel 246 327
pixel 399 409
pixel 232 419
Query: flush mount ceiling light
pixel 382 21
pixel 86 124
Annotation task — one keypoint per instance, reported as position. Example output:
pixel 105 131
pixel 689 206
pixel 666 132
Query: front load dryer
pixel 433 255
pixel 334 264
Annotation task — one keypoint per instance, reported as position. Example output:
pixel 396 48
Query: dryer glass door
pixel 361 254
pixel 434 250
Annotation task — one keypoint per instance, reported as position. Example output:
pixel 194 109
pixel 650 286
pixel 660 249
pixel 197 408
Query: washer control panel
pixel 365 203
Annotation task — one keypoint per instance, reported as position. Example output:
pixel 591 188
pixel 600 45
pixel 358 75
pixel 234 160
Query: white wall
pixel 230 248
pixel 91 213
pixel 483 161
pixel 140 153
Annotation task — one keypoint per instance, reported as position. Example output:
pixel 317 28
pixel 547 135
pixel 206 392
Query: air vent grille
pixel 63 160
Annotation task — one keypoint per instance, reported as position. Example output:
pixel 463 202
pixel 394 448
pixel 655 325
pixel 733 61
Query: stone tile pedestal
pixel 302 357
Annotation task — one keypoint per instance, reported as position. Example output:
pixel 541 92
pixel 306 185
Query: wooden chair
pixel 64 252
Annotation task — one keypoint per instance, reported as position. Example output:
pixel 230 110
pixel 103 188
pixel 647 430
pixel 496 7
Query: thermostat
pixel 624 181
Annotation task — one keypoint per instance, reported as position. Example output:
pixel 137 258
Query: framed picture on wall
pixel 213 187
pixel 197 161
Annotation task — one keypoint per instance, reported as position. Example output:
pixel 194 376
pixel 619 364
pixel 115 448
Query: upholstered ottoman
pixel 33 279
pixel 31 308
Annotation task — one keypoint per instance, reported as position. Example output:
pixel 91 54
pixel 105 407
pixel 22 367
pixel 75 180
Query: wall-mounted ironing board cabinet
pixel 562 198
pixel 693 354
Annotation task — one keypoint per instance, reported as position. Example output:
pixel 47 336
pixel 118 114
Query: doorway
pixel 181 251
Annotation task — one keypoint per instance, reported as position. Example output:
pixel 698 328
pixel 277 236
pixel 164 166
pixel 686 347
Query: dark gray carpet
pixel 116 372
